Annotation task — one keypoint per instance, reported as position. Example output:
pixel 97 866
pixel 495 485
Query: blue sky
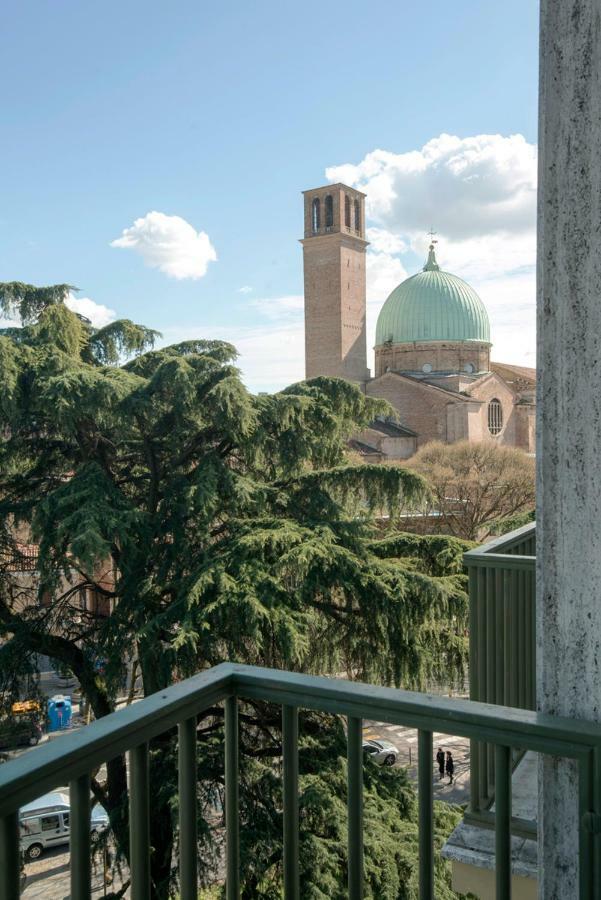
pixel 221 114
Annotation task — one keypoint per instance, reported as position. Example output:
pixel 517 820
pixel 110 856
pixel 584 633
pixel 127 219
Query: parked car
pixel 383 753
pixel 19 731
pixel 45 823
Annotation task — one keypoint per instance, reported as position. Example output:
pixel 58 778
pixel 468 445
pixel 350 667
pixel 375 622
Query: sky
pixel 153 155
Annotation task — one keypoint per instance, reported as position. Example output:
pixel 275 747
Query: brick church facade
pixel 432 353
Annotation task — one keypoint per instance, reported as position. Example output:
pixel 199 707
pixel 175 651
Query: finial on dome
pixel 431 264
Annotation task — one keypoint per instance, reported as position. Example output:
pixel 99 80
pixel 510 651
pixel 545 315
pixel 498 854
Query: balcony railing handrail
pixel 499 546
pixel 476 560
pixel 28 776
pixel 74 756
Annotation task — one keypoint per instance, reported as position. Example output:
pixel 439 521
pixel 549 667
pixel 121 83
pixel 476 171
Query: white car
pixel 383 753
pixel 45 823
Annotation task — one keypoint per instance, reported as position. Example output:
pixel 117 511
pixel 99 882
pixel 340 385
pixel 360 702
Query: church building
pixel 433 343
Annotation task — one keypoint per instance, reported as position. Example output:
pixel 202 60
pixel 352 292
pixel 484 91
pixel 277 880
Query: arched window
pixel 347 211
pixel 495 416
pixel 329 211
pixel 357 216
pixel 315 215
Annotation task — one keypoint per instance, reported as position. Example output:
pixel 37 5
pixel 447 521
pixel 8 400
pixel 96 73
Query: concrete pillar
pixel 569 411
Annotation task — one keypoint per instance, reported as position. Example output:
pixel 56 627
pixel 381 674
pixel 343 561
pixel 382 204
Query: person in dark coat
pixel 440 761
pixel 450 766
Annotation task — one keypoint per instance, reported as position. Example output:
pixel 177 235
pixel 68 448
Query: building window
pixel 427 367
pixel 315 215
pixel 357 216
pixel 347 211
pixel 329 211
pixel 495 416
pixel 469 368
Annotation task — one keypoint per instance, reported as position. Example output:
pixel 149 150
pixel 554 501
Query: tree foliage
pixel 219 525
pixel 390 824
pixel 503 526
pixel 474 485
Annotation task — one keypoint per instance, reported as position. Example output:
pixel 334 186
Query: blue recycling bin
pixel 59 713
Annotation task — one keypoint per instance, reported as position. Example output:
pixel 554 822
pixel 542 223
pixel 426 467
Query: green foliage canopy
pixel 218 525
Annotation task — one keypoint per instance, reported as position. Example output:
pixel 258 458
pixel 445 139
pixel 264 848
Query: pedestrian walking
pixel 440 761
pixel 450 766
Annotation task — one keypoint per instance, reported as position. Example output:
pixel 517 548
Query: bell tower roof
pixel 334 209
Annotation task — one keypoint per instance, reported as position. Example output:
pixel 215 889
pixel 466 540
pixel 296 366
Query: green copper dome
pixel 432 306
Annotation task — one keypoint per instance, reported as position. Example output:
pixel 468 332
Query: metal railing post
pixel 355 808
pixel 188 825
pixel 425 796
pixel 514 688
pixel 522 640
pixel 507 608
pixel 475 802
pixel 232 827
pixel 79 823
pixel 503 822
pixel 500 637
pixel 290 778
pixel 139 823
pixel 10 856
pixel 482 679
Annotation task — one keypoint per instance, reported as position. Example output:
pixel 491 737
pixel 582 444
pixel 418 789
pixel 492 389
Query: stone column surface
pixel 569 410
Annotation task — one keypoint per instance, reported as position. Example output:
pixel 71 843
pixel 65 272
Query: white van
pixel 45 823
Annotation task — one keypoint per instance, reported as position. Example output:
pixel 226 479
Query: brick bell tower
pixel 334 266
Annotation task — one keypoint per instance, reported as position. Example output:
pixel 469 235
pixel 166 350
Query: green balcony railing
pixel 73 757
pixel 502 639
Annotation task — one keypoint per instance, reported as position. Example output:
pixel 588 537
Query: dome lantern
pixel 431 264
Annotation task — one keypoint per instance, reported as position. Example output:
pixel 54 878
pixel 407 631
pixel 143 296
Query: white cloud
pixel 383 273
pixel 271 358
pixel 170 244
pixel 383 241
pixel 483 257
pixel 98 314
pixel 465 187
pixel 245 289
pixel 273 354
pixel 280 308
pixel 511 305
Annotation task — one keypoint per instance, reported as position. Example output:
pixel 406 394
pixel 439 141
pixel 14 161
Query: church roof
pixel 426 385
pixel 363 448
pixel 519 376
pixel 391 429
pixel 432 306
